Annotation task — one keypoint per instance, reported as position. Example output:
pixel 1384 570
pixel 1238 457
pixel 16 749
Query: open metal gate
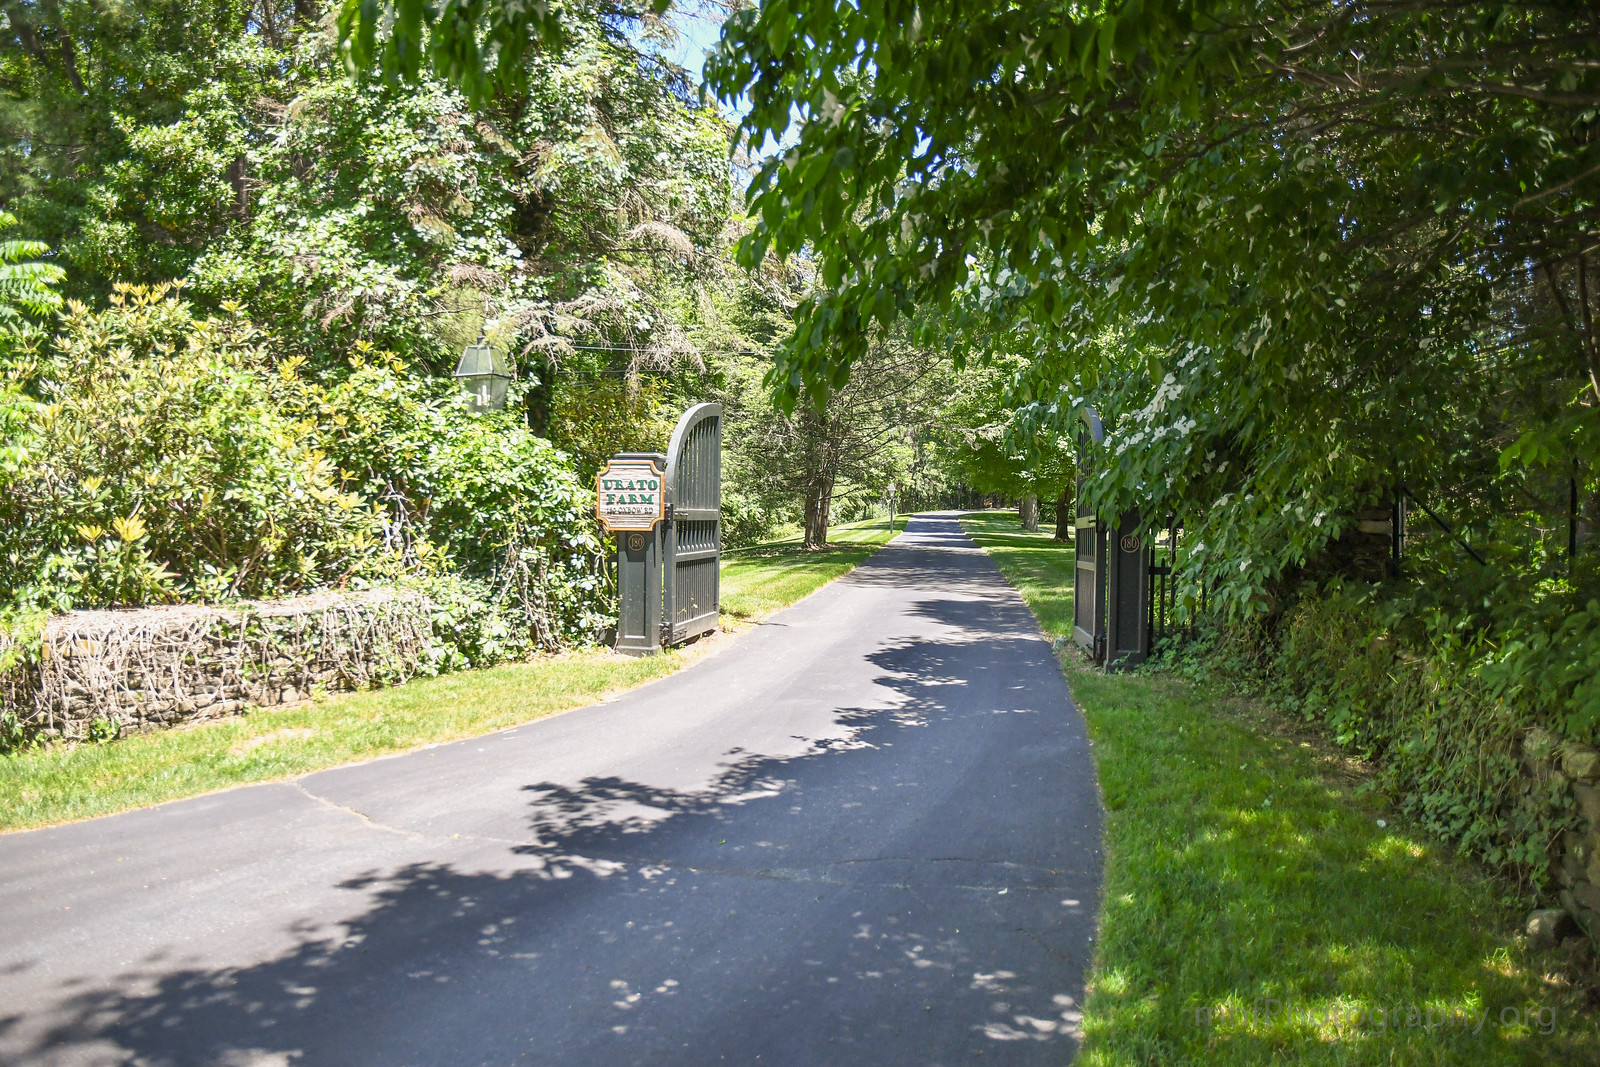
pixel 1111 575
pixel 1166 587
pixel 693 535
pixel 1088 586
pixel 1163 579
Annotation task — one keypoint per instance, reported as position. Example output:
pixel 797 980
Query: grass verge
pixel 40 787
pixel 761 579
pixel 1257 911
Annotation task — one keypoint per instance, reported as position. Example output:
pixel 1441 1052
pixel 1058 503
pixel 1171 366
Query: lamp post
pixel 891 509
pixel 483 376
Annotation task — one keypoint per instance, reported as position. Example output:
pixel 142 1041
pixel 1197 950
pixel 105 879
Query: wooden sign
pixel 629 496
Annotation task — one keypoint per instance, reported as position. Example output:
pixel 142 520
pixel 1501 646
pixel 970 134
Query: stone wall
pixel 156 667
pixel 1576 859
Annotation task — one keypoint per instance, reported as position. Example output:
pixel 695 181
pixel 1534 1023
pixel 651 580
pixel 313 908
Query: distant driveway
pixel 866 833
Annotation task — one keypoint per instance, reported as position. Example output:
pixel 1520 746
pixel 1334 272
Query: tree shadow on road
pixel 845 905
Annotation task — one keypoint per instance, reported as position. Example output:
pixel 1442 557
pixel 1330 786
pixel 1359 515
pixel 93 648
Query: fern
pixel 27 286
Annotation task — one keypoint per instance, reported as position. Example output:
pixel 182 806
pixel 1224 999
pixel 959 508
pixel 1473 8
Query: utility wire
pixel 702 351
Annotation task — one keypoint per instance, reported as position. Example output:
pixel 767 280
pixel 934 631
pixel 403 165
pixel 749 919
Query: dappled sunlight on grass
pixel 1240 878
pixel 1391 848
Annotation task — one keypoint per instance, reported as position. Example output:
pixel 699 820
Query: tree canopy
pixel 1296 253
pixel 1266 237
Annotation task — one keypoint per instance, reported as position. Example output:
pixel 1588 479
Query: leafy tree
pixel 1290 280
pixel 79 80
pixel 982 446
pixel 863 434
pixel 573 220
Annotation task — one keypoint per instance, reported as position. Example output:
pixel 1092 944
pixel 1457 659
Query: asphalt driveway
pixel 867 832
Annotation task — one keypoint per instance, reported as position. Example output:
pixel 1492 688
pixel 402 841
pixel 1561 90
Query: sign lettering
pixel 628 495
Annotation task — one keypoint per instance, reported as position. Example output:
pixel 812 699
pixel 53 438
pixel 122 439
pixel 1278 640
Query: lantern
pixel 483 376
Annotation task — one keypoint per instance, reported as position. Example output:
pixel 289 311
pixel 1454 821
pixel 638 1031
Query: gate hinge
pixel 668 514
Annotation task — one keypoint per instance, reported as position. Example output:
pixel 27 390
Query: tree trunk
pixel 1066 513
pixel 1028 512
pixel 819 501
pixel 239 177
pixel 538 404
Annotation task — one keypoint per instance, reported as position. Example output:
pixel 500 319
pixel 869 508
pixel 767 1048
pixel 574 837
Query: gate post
pixel 638 593
pixel 1111 583
pixel 630 501
pixel 1127 594
pixel 1089 580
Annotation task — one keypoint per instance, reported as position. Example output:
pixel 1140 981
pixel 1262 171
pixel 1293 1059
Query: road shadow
pixel 918 887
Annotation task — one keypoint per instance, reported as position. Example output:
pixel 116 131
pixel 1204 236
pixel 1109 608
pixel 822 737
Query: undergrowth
pixel 1431 706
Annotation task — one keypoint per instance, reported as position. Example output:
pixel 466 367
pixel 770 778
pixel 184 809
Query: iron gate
pixel 1111 575
pixel 1125 579
pixel 1164 587
pixel 1163 579
pixel 1088 585
pixel 693 537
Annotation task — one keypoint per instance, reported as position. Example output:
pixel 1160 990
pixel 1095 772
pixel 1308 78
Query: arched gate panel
pixel 693 538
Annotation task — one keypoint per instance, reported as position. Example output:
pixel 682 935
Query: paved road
pixel 867 832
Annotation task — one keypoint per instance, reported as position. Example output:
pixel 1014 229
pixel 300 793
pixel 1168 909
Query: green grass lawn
pixel 760 579
pixel 60 783
pixel 1255 910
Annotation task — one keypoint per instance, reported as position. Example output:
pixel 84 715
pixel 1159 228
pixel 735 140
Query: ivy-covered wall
pixel 101 673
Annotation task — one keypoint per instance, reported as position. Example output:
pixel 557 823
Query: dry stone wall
pixel 151 668
pixel 1577 853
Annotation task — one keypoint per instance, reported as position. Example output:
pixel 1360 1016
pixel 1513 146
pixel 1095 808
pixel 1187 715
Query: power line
pixel 701 351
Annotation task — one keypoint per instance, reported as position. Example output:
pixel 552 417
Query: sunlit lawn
pixel 56 784
pixel 1244 876
pixel 759 580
